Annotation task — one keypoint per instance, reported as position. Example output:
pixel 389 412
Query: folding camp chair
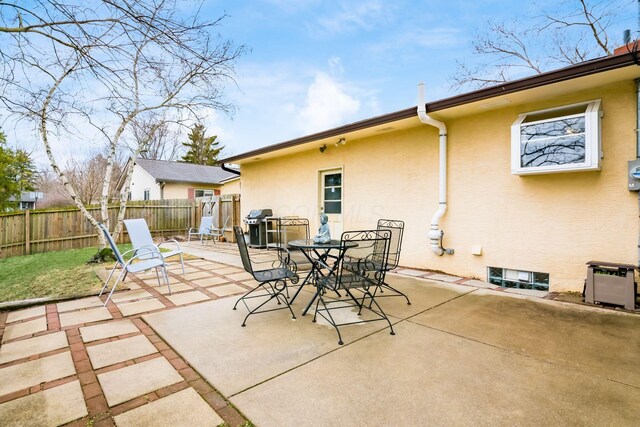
pixel 273 281
pixel 153 260
pixel 142 241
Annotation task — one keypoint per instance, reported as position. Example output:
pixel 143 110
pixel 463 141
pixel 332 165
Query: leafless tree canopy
pixel 89 71
pixel 165 143
pixel 573 32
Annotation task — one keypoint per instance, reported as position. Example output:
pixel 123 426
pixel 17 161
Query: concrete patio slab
pixel 107 330
pixel 228 271
pixel 29 347
pixel 53 407
pixel 443 278
pixel 124 384
pixel 424 376
pixel 576 337
pixel 24 375
pixel 187 297
pixel 25 328
pixel 131 295
pixel 479 284
pixel 106 354
pixel 527 292
pixel 28 313
pixel 226 290
pixel 211 281
pixel 84 316
pixel 184 408
pixel 409 272
pixel 422 293
pixel 233 358
pixel 238 277
pixel 131 308
pixel 175 287
pixel 78 304
pixel 196 275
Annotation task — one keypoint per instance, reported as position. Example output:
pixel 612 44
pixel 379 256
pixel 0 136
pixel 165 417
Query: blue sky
pixel 314 65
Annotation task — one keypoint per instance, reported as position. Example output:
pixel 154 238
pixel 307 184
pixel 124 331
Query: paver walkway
pixel 78 362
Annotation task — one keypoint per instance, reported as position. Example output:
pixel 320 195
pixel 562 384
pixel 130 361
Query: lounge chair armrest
pixel 174 241
pixel 153 255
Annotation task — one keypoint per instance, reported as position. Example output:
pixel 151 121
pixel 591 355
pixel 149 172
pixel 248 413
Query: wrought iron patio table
pixel 323 263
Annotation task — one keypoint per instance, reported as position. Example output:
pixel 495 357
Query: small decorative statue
pixel 323 236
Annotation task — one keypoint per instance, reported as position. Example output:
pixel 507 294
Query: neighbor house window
pixel 203 193
pixel 562 139
pixel 147 194
pixel 508 278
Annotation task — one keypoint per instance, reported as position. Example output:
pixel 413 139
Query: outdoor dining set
pixel 347 274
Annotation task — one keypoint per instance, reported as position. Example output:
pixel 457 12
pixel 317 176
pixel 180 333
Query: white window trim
pixel 213 193
pixel 593 151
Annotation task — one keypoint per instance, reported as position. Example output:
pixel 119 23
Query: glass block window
pixel 557 140
pixel 508 278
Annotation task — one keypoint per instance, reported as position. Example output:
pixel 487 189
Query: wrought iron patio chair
pixel 396 227
pixel 206 222
pixel 363 268
pixel 294 228
pixel 272 281
pixel 142 241
pixel 153 259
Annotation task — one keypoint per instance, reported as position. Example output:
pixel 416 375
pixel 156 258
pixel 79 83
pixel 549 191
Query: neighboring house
pixel 160 179
pixel 231 185
pixel 536 181
pixel 29 200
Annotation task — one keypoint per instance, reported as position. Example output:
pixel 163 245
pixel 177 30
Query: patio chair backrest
pixel 396 227
pixel 112 244
pixel 292 229
pixel 242 247
pixel 369 258
pixel 139 234
pixel 205 224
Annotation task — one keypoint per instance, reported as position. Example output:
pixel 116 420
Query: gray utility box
pixel 611 283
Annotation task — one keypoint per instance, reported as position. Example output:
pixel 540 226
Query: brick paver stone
pixel 14 316
pixel 84 316
pixel 102 355
pixel 130 308
pixel 184 408
pixel 24 348
pixel 124 384
pixel 52 407
pixel 77 304
pixel 24 375
pixel 107 330
pixel 25 328
pixel 187 297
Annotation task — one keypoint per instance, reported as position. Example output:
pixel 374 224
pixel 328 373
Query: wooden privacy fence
pixel 39 231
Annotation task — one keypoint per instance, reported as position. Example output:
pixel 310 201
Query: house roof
pixel 408 117
pixel 165 171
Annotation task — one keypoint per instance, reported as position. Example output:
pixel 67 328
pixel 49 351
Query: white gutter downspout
pixel 435 233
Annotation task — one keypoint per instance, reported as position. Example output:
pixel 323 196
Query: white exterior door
pixel 331 202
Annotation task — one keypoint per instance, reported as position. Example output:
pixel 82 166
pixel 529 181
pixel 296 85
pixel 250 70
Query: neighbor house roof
pixel 165 171
pixel 588 68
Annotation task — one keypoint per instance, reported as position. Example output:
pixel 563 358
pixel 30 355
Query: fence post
pixel 27 233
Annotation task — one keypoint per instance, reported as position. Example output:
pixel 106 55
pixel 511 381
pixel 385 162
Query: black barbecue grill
pixel 257 222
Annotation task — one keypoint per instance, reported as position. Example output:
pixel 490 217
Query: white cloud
pixel 327 105
pixel 365 15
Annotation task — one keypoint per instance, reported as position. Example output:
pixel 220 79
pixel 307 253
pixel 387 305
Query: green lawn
pixel 50 274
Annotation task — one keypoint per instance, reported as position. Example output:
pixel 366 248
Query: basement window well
pixel 508 278
pixel 562 139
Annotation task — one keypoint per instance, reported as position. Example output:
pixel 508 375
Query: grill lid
pixel 259 213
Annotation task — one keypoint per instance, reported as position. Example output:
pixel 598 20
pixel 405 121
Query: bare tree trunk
pixel 54 164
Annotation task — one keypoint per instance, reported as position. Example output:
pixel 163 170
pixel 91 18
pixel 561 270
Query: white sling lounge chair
pixel 153 260
pixel 143 242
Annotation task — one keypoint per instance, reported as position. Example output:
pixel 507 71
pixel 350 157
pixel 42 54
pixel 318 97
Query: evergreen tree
pixel 201 150
pixel 17 173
